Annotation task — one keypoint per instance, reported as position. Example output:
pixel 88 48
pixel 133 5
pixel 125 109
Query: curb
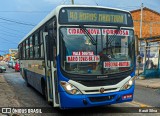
pixel 148 85
pixel 2 80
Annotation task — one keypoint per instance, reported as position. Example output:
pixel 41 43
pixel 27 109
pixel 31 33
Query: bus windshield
pixel 111 54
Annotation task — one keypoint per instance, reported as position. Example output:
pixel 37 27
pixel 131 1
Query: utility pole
pixel 141 20
pixel 145 51
pixel 72 2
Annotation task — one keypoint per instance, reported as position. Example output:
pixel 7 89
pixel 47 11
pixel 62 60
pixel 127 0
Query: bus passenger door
pixel 50 69
pixel 48 73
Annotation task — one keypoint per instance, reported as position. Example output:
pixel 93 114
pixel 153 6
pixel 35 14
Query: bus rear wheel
pixel 1 71
pixel 26 79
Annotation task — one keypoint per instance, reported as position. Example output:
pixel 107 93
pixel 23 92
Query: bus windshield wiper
pixel 88 34
pixel 110 40
pixel 113 36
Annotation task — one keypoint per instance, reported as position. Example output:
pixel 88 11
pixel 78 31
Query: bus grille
pixel 94 83
pixel 105 90
pixel 100 99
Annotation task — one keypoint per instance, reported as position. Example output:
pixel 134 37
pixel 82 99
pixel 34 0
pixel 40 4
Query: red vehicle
pixel 17 67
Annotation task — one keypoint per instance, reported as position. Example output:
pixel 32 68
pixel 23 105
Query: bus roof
pixel 56 11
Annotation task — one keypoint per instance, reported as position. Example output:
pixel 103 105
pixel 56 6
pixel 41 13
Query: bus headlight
pixel 69 88
pixel 128 84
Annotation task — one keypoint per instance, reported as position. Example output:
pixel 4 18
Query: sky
pixel 18 17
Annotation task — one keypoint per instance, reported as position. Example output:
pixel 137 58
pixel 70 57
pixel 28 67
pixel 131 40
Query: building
pixel 150 22
pixel 13 53
pixel 150 28
pixel 150 38
pixel 6 57
pixel 1 58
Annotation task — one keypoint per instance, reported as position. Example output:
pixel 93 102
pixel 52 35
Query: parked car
pixel 11 64
pixel 17 67
pixel 2 69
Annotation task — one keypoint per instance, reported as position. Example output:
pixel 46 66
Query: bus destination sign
pixel 92 16
pixel 81 16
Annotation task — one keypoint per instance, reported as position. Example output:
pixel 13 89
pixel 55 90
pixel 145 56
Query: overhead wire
pixel 7 43
pixel 10 21
pixel 24 11
pixel 10 35
pixel 12 29
pixel 8 32
pixel 18 22
pixel 4 51
pixel 7 40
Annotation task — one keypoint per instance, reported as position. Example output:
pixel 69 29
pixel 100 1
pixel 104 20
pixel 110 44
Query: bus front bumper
pixel 68 101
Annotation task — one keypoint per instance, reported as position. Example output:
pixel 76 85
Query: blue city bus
pixel 81 56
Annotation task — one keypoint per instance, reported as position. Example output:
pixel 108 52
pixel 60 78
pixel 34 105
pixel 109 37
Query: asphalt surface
pixel 147 96
pixel 29 97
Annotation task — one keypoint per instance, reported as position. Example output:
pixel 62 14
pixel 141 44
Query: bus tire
pixel 43 88
pixel 28 85
pixel 25 76
pixel 1 71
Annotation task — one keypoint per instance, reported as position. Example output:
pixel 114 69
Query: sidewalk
pixel 7 96
pixel 149 82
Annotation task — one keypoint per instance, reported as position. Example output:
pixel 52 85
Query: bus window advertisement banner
pixel 94 31
pixel 83 57
pixel 114 64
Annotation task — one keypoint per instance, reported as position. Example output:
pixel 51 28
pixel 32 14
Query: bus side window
pixel 31 47
pixel 36 46
pixel 41 44
pixel 20 50
pixel 27 49
pixel 24 51
pixel 52 35
pixel 47 47
pixel 54 41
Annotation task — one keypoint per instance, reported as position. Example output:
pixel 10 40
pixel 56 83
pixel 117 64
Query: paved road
pixel 29 97
pixel 147 96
